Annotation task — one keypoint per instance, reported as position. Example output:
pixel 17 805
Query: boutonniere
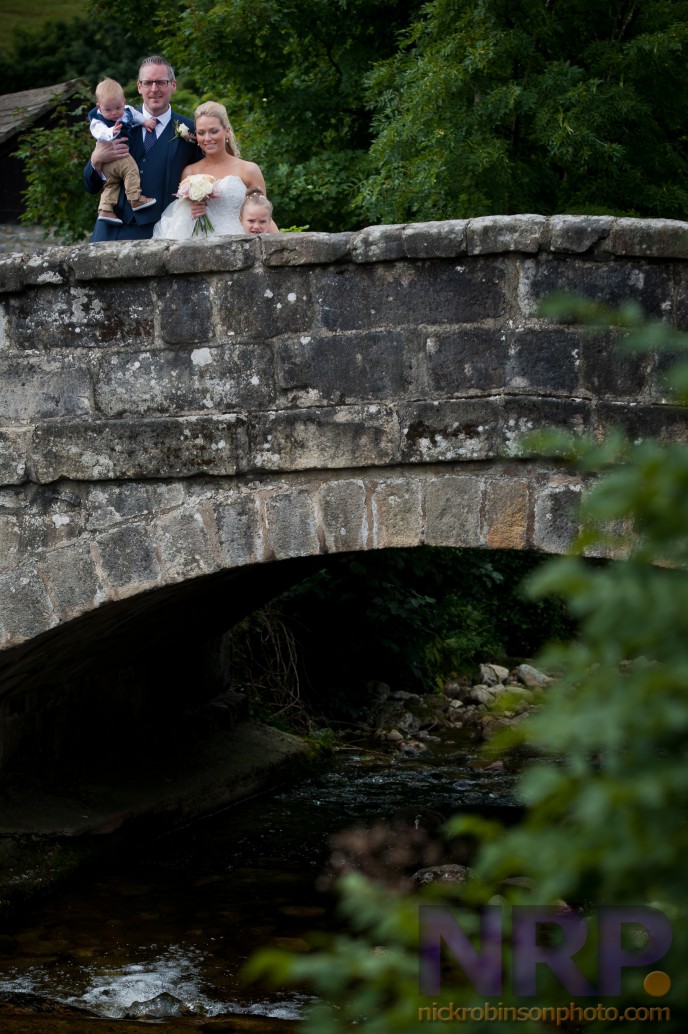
pixel 182 132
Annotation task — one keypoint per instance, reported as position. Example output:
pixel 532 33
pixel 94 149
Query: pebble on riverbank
pixel 503 698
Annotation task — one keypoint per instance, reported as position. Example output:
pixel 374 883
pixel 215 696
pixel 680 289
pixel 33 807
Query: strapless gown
pixel 176 223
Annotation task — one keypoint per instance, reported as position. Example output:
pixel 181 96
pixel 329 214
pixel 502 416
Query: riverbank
pixel 46 836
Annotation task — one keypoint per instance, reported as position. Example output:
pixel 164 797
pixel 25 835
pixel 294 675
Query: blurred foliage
pixel 606 803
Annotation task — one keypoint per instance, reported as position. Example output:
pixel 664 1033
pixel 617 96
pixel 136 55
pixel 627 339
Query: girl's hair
pixel 108 89
pixel 213 109
pixel 255 197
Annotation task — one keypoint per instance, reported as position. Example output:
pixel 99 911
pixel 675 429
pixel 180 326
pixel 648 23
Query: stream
pixel 179 916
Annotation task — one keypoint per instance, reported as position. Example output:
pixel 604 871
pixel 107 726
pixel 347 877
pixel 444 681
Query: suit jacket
pixel 160 169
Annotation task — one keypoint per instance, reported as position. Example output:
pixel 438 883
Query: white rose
pixel 200 187
pixel 184 130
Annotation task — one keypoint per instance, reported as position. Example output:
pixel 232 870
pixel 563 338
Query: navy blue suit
pixel 161 170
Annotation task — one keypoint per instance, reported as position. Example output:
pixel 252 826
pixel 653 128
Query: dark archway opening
pixel 297 642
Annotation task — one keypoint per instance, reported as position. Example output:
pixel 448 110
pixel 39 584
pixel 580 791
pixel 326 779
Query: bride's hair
pixel 213 109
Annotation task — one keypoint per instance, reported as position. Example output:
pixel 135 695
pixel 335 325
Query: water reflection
pixel 171 927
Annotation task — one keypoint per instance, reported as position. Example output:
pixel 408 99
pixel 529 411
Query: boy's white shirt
pixel 102 132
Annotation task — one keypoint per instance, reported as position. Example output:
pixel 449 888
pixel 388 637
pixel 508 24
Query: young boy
pixel 110 118
pixel 255 213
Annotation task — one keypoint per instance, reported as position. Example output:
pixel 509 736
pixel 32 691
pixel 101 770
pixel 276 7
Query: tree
pixel 503 106
pixel 80 49
pixel 605 821
pixel 53 158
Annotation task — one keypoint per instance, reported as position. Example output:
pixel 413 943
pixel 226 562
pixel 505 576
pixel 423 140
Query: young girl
pixel 256 213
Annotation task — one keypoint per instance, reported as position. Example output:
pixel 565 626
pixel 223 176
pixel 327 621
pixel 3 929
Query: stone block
pixel 651 238
pixel 578 233
pixel 11 273
pixel 556 515
pixel 10 541
pixel 211 255
pixel 607 371
pixel 127 560
pixel 108 449
pixel 466 359
pixel 109 504
pixel 378 244
pixel 26 609
pixel 115 260
pixel 330 438
pixel 452 510
pixel 239 528
pixel 343 368
pixel 265 304
pixel 445 239
pixel 47 267
pixel 641 421
pixel 191 380
pixel 543 359
pixel 291 524
pixel 109 314
pixel 186 310
pixel 523 415
pixel 183 545
pixel 73 583
pixel 37 389
pixel 434 293
pixel 460 429
pixel 506 513
pixel 344 515
pixel 304 249
pixel 493 234
pixel 610 283
pixel 397 505
pixel 14 448
pixel 52 516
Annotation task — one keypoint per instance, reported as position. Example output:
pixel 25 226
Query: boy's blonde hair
pixel 108 90
pixel 255 197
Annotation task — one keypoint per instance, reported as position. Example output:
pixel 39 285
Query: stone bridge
pixel 172 415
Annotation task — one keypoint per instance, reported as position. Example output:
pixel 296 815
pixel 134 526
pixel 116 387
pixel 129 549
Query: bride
pixel 234 177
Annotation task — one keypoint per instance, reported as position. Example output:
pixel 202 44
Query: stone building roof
pixel 18 111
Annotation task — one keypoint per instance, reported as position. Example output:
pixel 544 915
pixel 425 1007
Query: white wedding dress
pixel 176 223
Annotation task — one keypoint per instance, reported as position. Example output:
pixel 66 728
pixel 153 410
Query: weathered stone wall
pixel 170 411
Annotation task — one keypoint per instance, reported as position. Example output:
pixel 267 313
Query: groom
pixel 160 158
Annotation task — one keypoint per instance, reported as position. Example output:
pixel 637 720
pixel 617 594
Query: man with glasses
pixel 160 155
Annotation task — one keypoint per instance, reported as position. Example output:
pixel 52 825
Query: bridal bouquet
pixel 199 188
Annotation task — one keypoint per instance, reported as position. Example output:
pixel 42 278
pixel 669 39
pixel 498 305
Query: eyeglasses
pixel 147 83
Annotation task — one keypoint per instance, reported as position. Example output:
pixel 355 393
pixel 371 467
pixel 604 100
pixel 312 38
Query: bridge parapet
pixel 170 410
pixel 401 344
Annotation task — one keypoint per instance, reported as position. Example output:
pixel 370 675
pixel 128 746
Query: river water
pixel 179 916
